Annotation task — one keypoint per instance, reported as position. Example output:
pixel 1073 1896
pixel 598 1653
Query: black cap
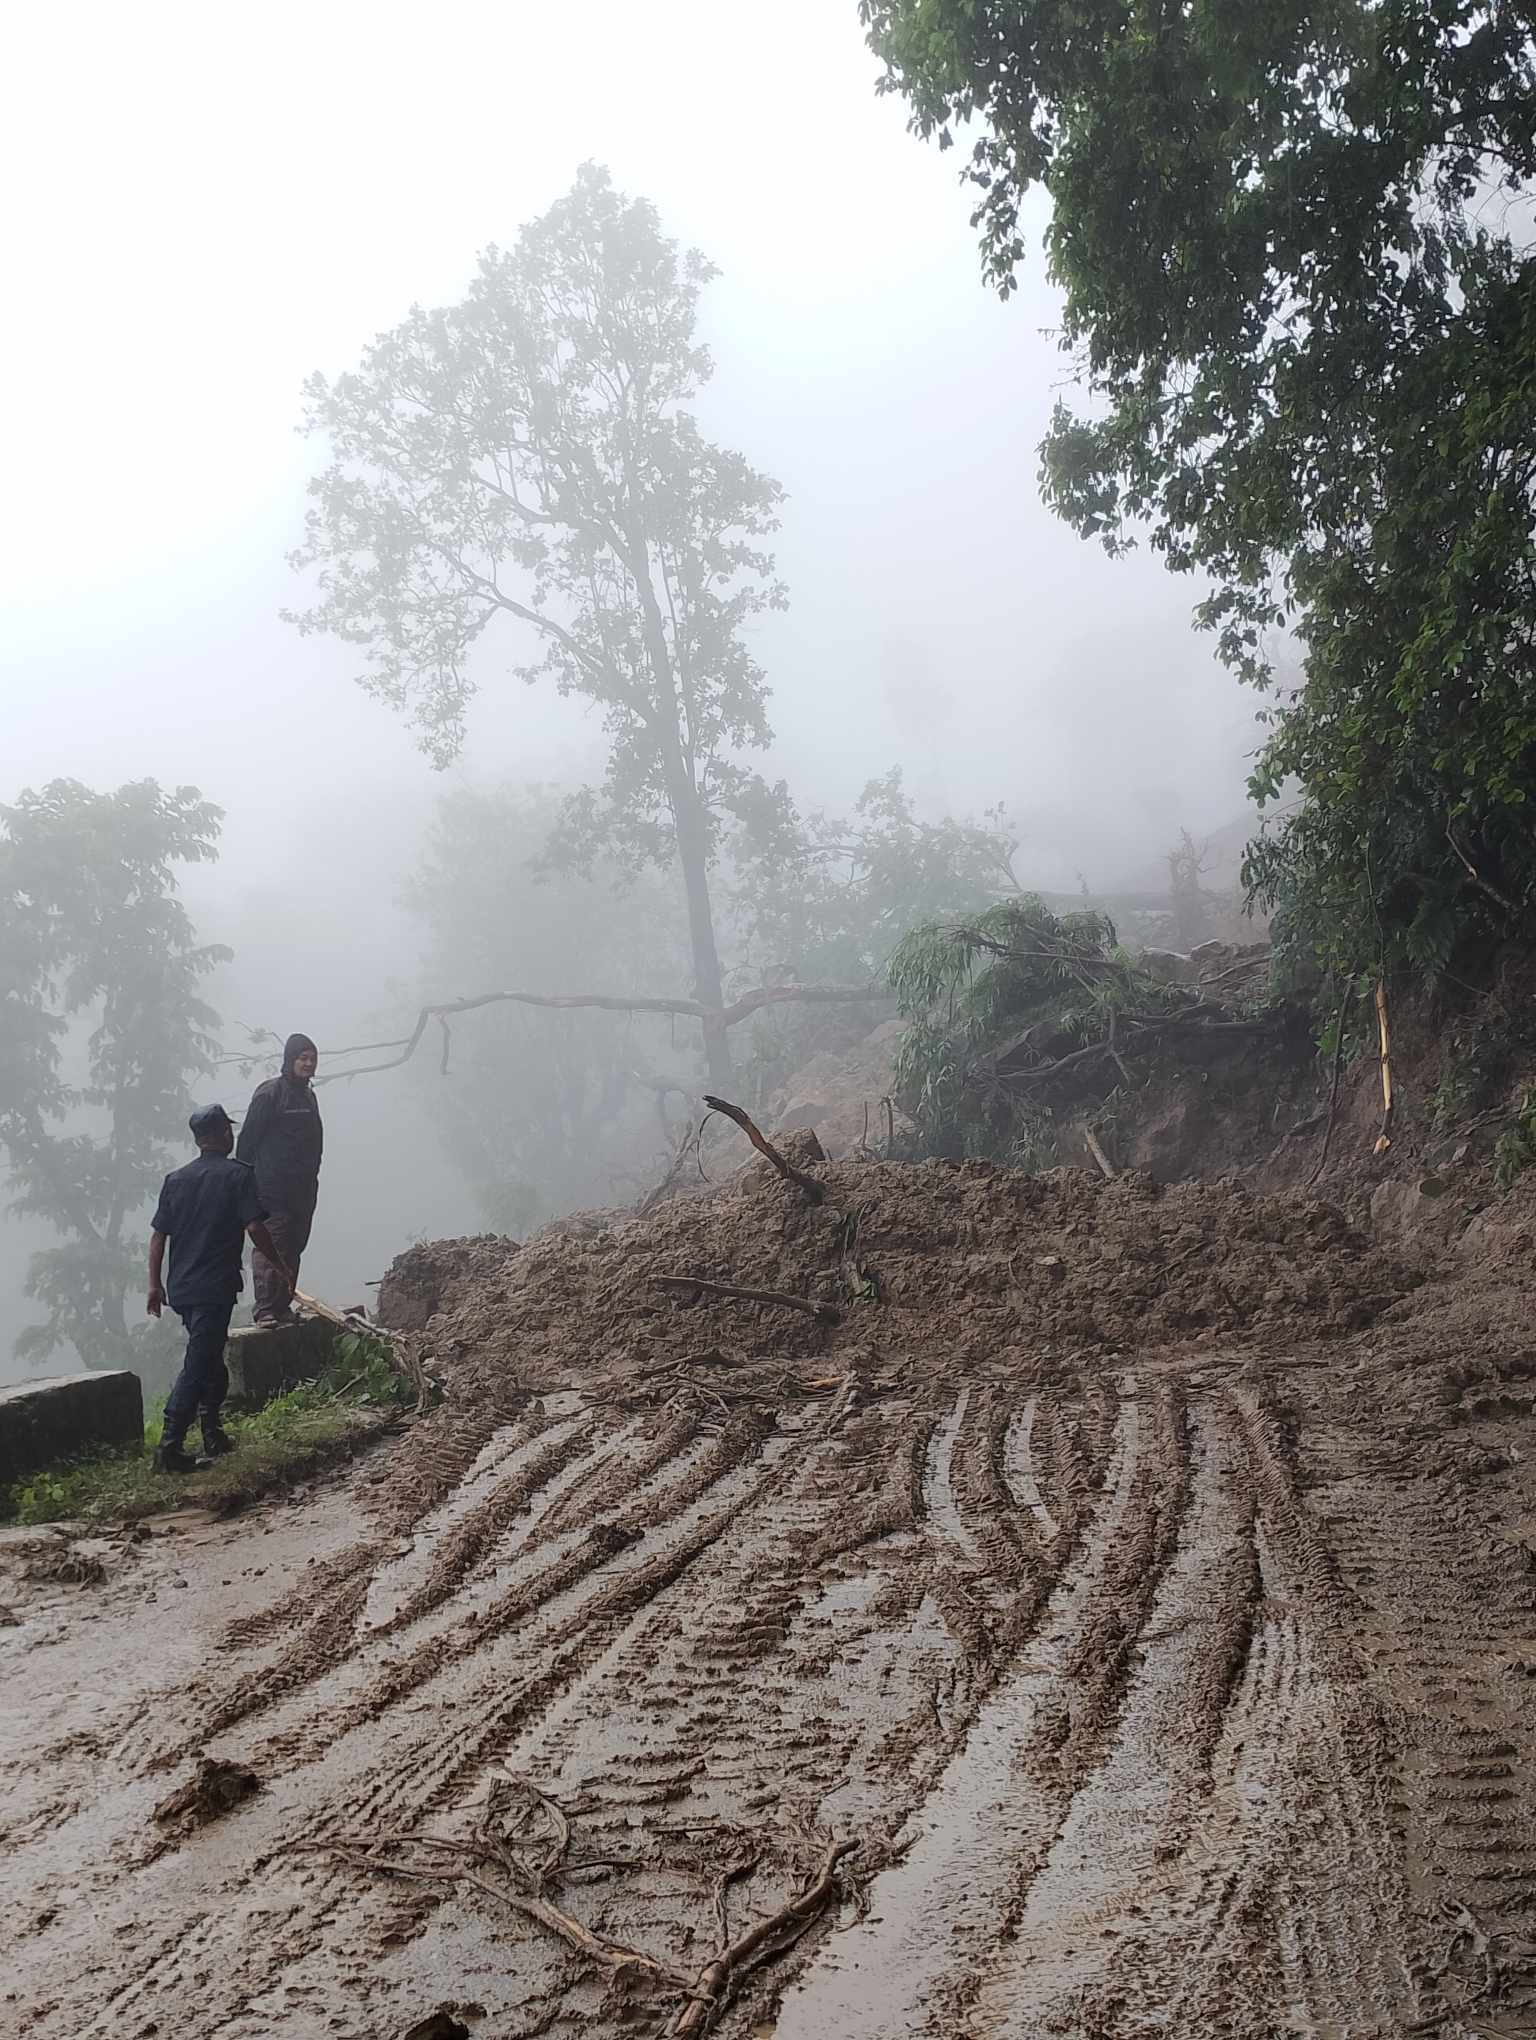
pixel 209 1119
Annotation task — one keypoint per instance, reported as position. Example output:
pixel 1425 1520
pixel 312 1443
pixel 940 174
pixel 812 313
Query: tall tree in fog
pixel 527 457
pixel 101 1031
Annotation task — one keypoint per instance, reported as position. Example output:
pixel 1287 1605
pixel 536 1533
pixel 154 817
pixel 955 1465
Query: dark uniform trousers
pixel 203 1382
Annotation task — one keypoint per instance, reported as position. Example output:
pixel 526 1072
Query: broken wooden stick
pixel 1105 1166
pixel 781 1928
pixel 816 1192
pixel 827 1313
pixel 1384 1139
pixel 403 1356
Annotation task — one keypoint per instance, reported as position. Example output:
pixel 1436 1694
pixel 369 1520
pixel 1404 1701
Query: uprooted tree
pixel 1020 1014
pixel 101 1032
pixel 527 457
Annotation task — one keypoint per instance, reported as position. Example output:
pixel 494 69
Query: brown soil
pixel 1144 1580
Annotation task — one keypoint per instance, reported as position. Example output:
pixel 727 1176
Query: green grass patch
pixel 295 1434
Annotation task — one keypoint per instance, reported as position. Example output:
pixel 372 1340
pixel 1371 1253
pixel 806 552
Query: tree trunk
pixel 113 1316
pixel 693 855
pixel 690 820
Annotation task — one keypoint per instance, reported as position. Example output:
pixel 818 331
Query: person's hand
pixel 155 1302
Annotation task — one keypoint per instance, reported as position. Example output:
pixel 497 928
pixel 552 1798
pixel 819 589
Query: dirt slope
pixel 1144 1581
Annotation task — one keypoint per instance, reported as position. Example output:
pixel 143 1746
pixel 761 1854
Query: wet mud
pixel 1146 1584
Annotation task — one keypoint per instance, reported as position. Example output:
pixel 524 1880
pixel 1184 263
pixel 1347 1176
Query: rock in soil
pixel 216 1789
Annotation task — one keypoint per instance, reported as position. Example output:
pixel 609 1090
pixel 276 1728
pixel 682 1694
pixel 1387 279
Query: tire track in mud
pixel 512 1581
pixel 1196 1883
pixel 1144 1730
pixel 443 1757
pixel 937 1905
pixel 1143 1832
pixel 1447 1620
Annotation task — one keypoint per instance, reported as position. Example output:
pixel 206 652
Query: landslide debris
pixel 937 1271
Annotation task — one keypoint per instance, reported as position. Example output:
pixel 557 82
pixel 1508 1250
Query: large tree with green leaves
pixel 101 1031
pixel 527 457
pixel 1295 247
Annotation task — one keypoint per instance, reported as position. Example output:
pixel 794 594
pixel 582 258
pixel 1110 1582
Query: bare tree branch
pixel 687 1009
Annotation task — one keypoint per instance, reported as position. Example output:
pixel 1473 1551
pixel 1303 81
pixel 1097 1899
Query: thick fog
pixel 206 206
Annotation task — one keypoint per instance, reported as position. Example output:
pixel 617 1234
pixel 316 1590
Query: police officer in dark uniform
pixel 282 1139
pixel 204 1214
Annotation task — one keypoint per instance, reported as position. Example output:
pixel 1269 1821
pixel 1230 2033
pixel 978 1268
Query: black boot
pixel 171 1459
pixel 216 1441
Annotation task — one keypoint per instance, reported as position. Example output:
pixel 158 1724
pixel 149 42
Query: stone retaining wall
pixel 42 1422
pixel 264 1360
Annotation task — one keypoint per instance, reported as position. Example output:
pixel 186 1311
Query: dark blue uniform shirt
pixel 204 1210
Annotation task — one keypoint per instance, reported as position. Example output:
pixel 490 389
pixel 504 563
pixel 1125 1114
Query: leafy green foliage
pixel 1299 289
pixel 363 1372
pixel 101 1031
pixel 528 457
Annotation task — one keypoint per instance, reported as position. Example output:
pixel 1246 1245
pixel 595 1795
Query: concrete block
pixel 65 1415
pixel 264 1360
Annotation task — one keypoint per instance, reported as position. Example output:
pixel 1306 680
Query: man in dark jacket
pixel 204 1214
pixel 282 1140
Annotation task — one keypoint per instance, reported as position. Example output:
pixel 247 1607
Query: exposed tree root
pixel 524 1867
pixel 769 1937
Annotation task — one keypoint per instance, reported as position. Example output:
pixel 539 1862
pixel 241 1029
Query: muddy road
pixel 1174 1687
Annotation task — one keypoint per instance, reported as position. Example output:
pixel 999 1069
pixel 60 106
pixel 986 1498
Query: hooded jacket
pixel 282 1137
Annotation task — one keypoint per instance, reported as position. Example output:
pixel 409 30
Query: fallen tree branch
pixel 826 1312
pixel 1145 1028
pixel 402 1352
pixel 815 1191
pixel 773 1934
pixel 1262 961
pixel 1511 907
pixel 440 1860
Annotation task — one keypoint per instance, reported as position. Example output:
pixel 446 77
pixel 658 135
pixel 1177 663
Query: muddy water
pixel 1174 1698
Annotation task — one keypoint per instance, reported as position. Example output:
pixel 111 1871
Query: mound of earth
pixel 1117 1623
pixel 416 1281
